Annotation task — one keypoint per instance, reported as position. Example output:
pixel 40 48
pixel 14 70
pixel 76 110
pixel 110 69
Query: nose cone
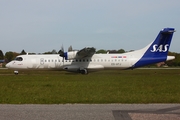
pixel 7 65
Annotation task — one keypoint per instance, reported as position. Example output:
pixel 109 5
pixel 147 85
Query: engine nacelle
pixel 70 55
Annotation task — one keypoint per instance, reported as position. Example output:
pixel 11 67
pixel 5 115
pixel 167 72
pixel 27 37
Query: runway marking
pixel 118 115
pixel 167 110
pixel 125 114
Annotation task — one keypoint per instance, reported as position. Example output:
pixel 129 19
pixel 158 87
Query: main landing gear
pixel 83 71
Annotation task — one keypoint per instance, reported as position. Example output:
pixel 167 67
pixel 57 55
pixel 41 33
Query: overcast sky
pixel 43 25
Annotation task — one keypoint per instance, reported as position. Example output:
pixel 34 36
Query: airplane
pixel 86 60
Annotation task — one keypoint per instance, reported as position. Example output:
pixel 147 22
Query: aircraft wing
pixel 86 52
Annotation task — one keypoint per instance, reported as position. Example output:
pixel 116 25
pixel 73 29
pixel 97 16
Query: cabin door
pixel 42 61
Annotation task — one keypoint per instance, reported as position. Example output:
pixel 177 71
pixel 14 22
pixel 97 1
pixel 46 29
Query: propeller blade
pixel 62 48
pixel 61 52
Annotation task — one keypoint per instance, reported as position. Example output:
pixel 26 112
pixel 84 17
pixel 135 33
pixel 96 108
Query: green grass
pixel 57 87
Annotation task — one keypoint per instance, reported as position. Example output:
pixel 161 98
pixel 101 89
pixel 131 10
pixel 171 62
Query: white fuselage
pixel 84 60
pixel 54 61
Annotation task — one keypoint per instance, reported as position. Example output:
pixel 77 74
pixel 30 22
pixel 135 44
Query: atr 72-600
pixel 85 60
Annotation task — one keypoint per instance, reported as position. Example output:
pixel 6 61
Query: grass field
pixel 108 86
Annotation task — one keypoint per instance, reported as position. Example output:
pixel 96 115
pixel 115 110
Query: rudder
pixel 158 50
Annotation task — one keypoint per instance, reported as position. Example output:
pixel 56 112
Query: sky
pixel 39 26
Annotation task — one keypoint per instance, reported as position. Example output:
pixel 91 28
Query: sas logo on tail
pixel 160 48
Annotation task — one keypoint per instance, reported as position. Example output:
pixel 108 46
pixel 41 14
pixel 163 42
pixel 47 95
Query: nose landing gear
pixel 16 72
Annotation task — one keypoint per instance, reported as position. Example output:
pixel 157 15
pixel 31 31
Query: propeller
pixel 61 52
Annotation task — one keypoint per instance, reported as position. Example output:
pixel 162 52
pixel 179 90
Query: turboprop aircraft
pixel 85 60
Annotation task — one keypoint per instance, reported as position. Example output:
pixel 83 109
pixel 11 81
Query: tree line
pixel 9 56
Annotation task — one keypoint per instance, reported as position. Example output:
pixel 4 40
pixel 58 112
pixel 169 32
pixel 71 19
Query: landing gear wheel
pixel 84 71
pixel 16 72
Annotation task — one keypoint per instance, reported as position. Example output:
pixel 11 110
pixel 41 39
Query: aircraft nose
pixel 7 65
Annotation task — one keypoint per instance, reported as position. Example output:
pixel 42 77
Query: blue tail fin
pixel 157 50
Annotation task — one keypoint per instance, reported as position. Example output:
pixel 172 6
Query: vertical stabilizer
pixel 158 49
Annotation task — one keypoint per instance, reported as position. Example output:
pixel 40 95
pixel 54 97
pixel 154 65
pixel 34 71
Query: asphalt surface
pixel 90 112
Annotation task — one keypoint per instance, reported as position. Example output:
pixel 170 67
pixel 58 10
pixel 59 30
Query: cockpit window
pixel 18 58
